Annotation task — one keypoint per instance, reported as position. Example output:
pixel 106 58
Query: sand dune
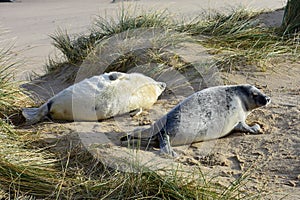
pixel 32 21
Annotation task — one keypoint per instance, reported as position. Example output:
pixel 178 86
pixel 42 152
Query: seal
pixel 98 98
pixel 205 115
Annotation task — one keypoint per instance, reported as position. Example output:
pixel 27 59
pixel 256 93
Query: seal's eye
pixel 113 77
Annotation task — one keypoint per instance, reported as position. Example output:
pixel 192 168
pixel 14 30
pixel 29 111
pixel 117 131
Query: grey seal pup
pixel 208 114
pixel 99 97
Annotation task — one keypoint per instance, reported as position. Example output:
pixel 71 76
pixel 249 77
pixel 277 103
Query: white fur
pixel 99 98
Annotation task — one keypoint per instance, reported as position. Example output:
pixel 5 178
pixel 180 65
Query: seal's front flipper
pixel 136 112
pixel 165 145
pixel 243 127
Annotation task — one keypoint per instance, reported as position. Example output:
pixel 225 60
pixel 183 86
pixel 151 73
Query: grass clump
pixel 8 91
pixel 24 170
pixel 11 97
pixel 76 49
pixel 73 51
pixel 127 21
pixel 217 24
pixel 238 40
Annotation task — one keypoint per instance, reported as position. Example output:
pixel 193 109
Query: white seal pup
pixel 208 114
pixel 99 97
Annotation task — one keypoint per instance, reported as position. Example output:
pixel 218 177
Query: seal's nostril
pixel 163 85
pixel 268 99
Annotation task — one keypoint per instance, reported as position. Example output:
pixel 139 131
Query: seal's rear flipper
pixel 34 115
pixel 30 115
pixel 136 139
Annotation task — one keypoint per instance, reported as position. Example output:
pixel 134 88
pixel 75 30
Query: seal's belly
pixel 202 133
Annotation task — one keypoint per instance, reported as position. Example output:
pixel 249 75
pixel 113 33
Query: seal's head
pixel 252 97
pixel 161 87
pixel 112 76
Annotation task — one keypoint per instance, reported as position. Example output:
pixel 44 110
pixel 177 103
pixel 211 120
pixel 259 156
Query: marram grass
pixel 76 49
pixel 11 97
pixel 216 23
pixel 238 40
pixel 25 170
pixel 235 38
pixel 253 47
pixel 8 91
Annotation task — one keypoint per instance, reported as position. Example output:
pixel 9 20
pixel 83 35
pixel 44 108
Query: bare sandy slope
pixel 32 21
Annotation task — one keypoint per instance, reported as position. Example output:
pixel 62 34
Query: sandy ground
pixel 32 21
pixel 272 157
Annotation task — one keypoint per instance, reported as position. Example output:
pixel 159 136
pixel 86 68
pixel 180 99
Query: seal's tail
pixel 34 115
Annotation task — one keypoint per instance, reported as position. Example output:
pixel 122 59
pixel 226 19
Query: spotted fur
pixel 208 114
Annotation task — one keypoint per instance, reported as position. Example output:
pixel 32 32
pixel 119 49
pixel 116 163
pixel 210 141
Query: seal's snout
pixel 162 85
pixel 268 100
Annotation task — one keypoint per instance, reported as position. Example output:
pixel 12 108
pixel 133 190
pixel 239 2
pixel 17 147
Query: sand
pixel 272 157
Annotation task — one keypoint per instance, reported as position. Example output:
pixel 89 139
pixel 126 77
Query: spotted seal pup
pixel 99 97
pixel 208 114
